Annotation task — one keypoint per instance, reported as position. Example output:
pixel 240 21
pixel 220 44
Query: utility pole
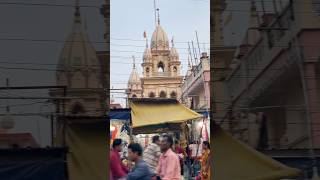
pixel 198 45
pixel 189 49
pixel 194 53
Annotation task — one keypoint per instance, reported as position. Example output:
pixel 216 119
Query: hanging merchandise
pixel 205 135
pixel 114 133
pixel 125 127
pixel 112 128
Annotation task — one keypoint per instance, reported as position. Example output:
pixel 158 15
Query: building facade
pixel 104 56
pixel 269 88
pixel 161 70
pixel 81 71
pixel 195 86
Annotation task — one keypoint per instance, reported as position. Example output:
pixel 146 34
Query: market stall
pixel 170 116
pixel 149 117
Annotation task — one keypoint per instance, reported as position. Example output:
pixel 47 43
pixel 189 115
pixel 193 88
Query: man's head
pixel 176 143
pixel 134 151
pixel 156 139
pixel 117 144
pixel 166 142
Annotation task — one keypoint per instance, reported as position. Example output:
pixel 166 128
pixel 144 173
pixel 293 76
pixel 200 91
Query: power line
pixel 69 41
pixel 201 1
pixel 134 51
pixel 128 39
pixel 10 93
pixel 25 104
pixel 99 6
pixel 49 5
pixel 130 45
pixel 270 1
pixel 48 40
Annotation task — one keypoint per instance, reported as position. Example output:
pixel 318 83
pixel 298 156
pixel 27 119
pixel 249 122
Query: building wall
pixel 296 127
pixel 197 86
pixel 166 84
pixel 156 81
pixel 287 125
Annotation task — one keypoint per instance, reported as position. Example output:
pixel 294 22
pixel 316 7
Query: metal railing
pixel 261 54
pixel 196 72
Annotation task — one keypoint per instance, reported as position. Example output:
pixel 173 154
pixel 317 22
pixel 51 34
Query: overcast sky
pixel 179 18
pixel 129 19
pixel 38 22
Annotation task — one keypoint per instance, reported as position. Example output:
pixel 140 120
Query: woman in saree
pixel 205 162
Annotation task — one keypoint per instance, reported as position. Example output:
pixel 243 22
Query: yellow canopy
pixel 235 160
pixel 88 150
pixel 145 112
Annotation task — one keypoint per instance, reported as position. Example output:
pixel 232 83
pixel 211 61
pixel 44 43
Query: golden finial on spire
pixel 145 37
pixel 134 62
pixel 158 16
pixel 172 42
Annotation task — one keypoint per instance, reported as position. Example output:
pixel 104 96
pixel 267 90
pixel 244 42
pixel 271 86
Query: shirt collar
pixel 114 150
pixel 167 153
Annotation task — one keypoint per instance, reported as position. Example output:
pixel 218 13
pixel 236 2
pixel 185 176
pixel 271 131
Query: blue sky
pixel 129 19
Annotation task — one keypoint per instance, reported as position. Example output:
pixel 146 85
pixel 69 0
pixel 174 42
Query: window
pixel 147 71
pixel 151 95
pixel 76 61
pixel 316 6
pixel 162 94
pixel 270 39
pixel 160 67
pixel 175 69
pixel 173 94
pixel 77 109
pixel 134 96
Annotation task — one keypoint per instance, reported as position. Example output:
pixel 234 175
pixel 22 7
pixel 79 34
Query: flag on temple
pixel 144 34
pixel 114 133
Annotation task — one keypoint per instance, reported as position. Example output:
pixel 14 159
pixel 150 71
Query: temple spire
pixel 155 13
pixel 145 37
pixel 85 22
pixel 172 42
pixel 158 16
pixel 134 62
pixel 77 18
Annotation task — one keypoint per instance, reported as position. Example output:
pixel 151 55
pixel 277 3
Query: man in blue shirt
pixel 141 170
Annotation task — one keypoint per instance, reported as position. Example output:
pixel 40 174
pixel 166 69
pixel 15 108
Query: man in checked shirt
pixel 152 153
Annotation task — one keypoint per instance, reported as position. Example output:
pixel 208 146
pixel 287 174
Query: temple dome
pixel 147 55
pixel 174 53
pixel 159 40
pixel 78 65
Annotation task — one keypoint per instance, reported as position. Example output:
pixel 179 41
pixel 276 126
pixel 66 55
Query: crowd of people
pixel 162 159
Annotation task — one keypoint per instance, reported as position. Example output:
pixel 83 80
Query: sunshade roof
pixel 145 112
pixel 235 160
